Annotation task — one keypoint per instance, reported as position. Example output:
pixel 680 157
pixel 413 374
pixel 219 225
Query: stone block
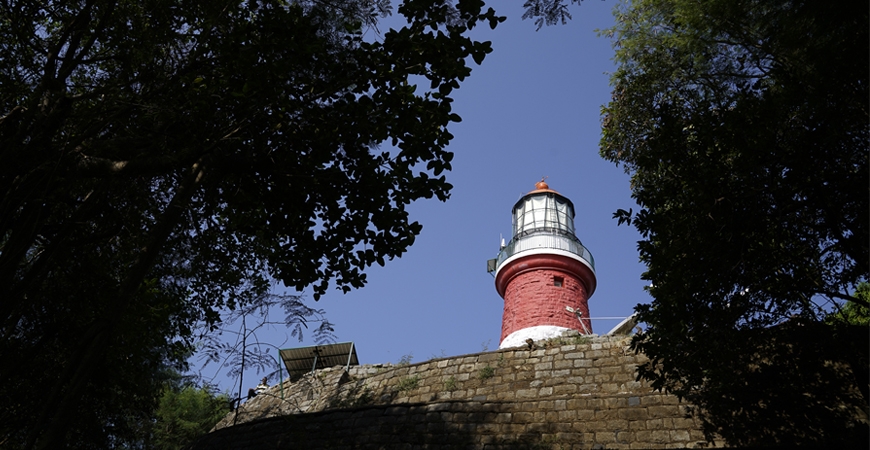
pixel 562 389
pixel 605 437
pixel 679 435
pixel 626 378
pixel 660 436
pixel 484 391
pixel 491 357
pixel 637 425
pixel 664 411
pixel 567 415
pixel 610 387
pixel 606 414
pixel 610 370
pixel 583 362
pixel 544 366
pixel 475 417
pixel 596 354
pixel 510 430
pixel 584 414
pixel 642 436
pixel 670 400
pixel 684 423
pixel 503 418
pixel 651 400
pixel 505 395
pixel 633 414
pixel 654 424
pixel 523 417
pixel 587 388
pixel 617 424
pixel 624 437
pixel 538 427
pixel 568 437
pixel 527 393
pixel 562 427
pixel 438 407
pixel 563 364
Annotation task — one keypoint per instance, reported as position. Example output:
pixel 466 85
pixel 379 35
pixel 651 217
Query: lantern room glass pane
pixel 545 212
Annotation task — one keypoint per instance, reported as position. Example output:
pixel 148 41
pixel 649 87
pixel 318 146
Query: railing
pixel 541 241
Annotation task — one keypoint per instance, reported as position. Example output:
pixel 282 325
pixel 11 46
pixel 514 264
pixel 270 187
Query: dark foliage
pixel 162 161
pixel 548 12
pixel 744 126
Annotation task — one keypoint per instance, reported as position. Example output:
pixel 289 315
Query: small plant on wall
pixel 408 383
pixel 450 384
pixel 486 373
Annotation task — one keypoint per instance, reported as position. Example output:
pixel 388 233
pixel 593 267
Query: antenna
pixel 502 240
pixel 579 315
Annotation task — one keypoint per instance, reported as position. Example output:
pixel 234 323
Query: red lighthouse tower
pixel 544 274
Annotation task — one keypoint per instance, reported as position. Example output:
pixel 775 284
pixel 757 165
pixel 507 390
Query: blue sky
pixel 532 109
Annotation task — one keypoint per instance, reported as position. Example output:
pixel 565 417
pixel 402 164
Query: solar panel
pixel 307 359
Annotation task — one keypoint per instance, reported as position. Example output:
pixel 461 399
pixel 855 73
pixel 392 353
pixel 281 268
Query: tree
pixel 853 312
pixel 548 12
pixel 164 160
pixel 185 413
pixel 744 127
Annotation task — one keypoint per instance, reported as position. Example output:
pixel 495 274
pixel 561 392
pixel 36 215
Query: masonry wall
pixel 574 393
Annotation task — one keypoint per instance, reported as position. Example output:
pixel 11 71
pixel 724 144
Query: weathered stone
pixel 563 364
pixel 664 411
pixel 633 414
pixel 569 396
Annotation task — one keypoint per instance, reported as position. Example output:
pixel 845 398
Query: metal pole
pixel 349 354
pixel 316 352
pixel 280 379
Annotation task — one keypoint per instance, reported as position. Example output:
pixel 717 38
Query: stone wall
pixel 571 393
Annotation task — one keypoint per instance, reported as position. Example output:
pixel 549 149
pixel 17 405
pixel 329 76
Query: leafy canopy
pixel 744 127
pixel 162 160
pixel 185 413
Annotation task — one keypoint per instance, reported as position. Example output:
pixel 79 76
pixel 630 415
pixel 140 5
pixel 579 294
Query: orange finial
pixel 542 184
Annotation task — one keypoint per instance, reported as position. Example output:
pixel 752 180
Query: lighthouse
pixel 544 274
